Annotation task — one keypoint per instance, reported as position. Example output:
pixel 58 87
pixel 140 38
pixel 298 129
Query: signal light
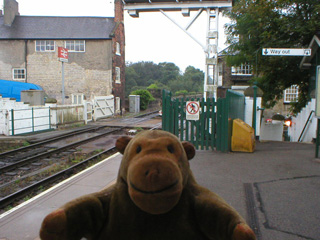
pixel 288 122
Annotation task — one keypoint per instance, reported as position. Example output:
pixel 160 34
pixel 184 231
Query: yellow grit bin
pixel 243 139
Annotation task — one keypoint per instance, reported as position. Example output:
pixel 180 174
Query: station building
pixel 96 47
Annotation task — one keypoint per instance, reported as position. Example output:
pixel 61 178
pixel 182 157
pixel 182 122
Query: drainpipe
pixel 26 58
pixel 254 117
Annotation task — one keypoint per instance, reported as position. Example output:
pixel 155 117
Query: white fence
pixel 299 123
pixel 20 118
pixel 103 107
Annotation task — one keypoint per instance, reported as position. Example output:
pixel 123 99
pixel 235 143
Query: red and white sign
pixel 192 110
pixel 63 54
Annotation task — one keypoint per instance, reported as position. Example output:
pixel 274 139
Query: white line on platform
pixel 54 187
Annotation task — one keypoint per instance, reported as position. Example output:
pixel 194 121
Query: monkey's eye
pixel 138 149
pixel 170 148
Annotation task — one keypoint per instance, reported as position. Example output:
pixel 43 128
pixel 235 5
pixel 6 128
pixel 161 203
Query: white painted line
pixel 55 186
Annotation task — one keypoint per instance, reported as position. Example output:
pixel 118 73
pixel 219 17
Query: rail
pixel 305 126
pixel 25 191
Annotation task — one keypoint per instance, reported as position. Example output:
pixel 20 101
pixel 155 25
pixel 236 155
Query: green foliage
pixel 155 77
pixel 153 86
pixel 131 80
pixel 274 24
pixel 145 98
pixel 181 92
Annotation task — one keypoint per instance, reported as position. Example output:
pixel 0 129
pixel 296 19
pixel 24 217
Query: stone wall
pixel 89 72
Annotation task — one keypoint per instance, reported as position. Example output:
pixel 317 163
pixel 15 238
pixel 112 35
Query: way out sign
pixel 192 110
pixel 286 52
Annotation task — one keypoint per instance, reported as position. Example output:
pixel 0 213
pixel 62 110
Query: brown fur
pixel 155 197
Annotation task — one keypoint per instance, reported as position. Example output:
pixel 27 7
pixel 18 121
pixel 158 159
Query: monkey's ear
pixel 190 150
pixel 122 143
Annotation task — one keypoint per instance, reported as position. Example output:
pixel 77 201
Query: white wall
pixel 299 122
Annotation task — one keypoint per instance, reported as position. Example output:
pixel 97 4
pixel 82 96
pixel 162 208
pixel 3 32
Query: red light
pixel 288 123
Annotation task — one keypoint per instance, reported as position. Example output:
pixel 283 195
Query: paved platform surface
pixel 276 189
pixel 23 222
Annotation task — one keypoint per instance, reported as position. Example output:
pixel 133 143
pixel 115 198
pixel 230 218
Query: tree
pixel 196 77
pixel 148 75
pixel 131 80
pixel 258 24
pixel 169 72
pixel 147 72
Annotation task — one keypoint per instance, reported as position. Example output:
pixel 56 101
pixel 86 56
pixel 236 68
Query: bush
pixel 153 86
pixel 145 98
pixel 181 92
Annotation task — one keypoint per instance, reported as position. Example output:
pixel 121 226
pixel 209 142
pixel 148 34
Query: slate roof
pixel 43 27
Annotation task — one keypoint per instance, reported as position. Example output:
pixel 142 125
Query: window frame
pixel 245 69
pixel 39 44
pixel 118 75
pixel 291 94
pixel 118 49
pixel 75 44
pixel 18 74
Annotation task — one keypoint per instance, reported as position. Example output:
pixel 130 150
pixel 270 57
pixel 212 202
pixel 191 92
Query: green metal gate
pixel 213 129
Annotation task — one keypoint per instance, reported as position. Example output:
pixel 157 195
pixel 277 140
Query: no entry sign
pixel 192 110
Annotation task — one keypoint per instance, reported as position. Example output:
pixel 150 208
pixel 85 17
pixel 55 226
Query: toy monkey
pixel 155 197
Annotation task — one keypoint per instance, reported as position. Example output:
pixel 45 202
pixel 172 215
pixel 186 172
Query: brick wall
pixel 119 59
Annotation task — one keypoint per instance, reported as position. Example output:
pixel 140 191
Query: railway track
pixel 7 200
pixel 33 146
pixel 28 170
pixel 24 159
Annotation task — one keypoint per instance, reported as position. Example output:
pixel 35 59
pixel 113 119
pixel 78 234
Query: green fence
pixel 228 108
pixel 174 120
pixel 212 129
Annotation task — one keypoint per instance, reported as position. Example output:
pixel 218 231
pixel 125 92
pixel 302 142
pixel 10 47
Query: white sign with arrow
pixel 286 52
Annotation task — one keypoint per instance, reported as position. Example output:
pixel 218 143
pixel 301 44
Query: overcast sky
pixel 151 37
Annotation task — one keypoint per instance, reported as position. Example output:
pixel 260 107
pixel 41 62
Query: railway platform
pixel 23 222
pixel 276 189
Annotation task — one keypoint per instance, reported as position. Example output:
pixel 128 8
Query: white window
pixel 45 46
pixel 243 69
pixel 118 50
pixel 118 75
pixel 75 46
pixel 117 104
pixel 19 74
pixel 77 98
pixel 291 94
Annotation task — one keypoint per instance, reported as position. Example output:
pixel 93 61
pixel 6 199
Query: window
pixel 45 46
pixel 77 98
pixel 19 74
pixel 117 104
pixel 75 46
pixel 118 52
pixel 118 75
pixel 291 94
pixel 243 69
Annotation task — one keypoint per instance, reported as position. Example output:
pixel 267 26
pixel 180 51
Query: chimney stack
pixel 11 10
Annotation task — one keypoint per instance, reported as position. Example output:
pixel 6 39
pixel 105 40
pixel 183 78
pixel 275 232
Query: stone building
pixel 96 52
pixel 239 78
pixel 232 77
